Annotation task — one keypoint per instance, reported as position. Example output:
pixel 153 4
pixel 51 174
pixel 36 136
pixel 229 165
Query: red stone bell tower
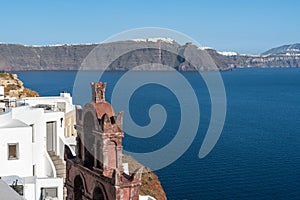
pixel 96 171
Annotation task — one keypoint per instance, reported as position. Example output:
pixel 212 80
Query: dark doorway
pixel 78 188
pixel 98 194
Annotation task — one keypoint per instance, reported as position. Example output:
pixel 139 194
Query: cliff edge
pixel 14 87
pixel 150 182
pixel 15 57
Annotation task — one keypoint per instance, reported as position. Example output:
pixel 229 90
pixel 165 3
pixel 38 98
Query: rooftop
pixel 6 192
pixel 14 123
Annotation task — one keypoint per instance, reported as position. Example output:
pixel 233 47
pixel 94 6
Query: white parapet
pixel 146 197
pixel 1 92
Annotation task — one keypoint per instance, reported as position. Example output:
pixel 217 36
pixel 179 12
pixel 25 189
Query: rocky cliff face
pixel 283 56
pixel 70 57
pixel 66 57
pixel 13 87
pixel 291 49
pixel 150 183
pixel 246 61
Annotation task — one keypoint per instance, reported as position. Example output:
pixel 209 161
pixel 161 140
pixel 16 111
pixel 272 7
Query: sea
pixel 258 153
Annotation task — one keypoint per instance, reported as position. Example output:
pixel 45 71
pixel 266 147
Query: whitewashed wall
pixel 23 165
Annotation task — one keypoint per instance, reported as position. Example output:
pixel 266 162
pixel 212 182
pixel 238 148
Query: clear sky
pixel 242 25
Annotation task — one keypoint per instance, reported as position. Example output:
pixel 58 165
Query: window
pixel 49 193
pixel 13 151
pixel 33 170
pixel 33 132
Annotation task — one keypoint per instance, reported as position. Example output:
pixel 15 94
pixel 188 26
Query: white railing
pixel 49 165
pixel 62 142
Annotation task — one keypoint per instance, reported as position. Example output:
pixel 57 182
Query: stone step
pixel 55 158
pixel 51 153
pixel 56 163
pixel 60 166
pixel 60 171
pixel 61 176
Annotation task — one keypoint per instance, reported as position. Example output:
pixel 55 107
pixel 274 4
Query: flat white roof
pixel 10 179
pixel 46 98
pixel 6 192
pixel 14 123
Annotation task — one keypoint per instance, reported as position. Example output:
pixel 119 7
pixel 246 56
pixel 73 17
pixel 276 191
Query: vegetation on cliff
pixel 150 182
pixel 13 86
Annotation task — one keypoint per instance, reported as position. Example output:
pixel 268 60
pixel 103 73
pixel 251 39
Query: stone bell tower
pixel 98 92
pixel 96 171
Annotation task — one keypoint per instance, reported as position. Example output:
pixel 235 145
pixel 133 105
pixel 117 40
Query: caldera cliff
pixel 15 57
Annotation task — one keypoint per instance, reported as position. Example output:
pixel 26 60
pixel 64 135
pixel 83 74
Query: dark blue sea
pixel 258 153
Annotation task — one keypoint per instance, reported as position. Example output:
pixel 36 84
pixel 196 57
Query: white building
pixel 61 103
pixel 1 92
pixel 32 143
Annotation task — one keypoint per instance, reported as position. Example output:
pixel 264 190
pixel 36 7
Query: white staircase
pixel 60 168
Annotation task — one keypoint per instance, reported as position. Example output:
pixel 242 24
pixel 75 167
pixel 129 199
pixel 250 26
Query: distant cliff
pixel 15 57
pixel 283 56
pixel 291 49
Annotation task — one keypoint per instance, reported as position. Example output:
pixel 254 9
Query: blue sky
pixel 244 26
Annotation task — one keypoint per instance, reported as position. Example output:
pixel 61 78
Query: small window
pixel 33 132
pixel 49 193
pixel 33 170
pixel 13 151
